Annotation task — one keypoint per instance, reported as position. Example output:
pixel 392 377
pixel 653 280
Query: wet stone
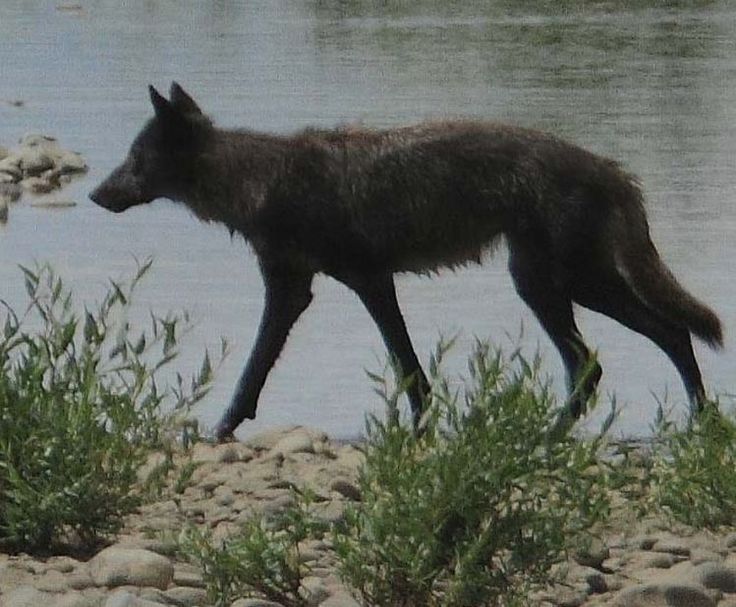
pixel 188 575
pixel 346 488
pixel 11 166
pixel 35 161
pixel 675 547
pixel 186 596
pixel 664 595
pixel 716 575
pixel 592 555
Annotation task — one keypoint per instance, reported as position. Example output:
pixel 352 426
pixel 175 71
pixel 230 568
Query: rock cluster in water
pixel 636 563
pixel 38 166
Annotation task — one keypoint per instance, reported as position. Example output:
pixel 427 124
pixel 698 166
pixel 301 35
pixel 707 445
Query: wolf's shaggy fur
pixel 361 205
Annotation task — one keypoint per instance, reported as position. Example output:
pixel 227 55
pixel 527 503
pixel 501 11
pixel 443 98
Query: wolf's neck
pixel 232 177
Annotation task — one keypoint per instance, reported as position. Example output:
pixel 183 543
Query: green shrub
pixel 481 505
pixel 80 407
pixel 692 474
pixel 261 560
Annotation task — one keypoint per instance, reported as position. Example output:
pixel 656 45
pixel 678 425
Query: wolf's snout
pixel 118 192
pixel 95 196
pixel 101 196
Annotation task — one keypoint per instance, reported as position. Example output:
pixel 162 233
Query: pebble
pixel 346 488
pixel 53 581
pixel 71 162
pixel 315 590
pixel 188 575
pixel 265 441
pixel 341 599
pixel 25 596
pixel 675 547
pixel 38 185
pixel 77 599
pixel 296 442
pixel 11 166
pixel 226 453
pixel 186 596
pixel 660 560
pixel 595 580
pixel 664 595
pixel 644 565
pixel 39 166
pixel 34 161
pixel 123 598
pixel 116 566
pixel 592 555
pixel 223 495
pixel 716 575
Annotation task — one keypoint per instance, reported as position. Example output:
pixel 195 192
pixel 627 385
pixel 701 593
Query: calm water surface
pixel 650 86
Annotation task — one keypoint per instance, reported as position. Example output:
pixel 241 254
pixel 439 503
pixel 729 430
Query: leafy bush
pixel 261 560
pixel 481 504
pixel 79 408
pixel 692 474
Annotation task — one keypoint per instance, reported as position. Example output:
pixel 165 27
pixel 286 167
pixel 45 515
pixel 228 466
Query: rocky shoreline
pixel 638 563
pixel 38 166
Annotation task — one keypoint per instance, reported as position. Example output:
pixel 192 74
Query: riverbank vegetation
pixel 80 408
pixel 475 510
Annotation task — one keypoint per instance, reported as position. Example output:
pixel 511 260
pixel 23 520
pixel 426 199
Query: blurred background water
pixel 650 83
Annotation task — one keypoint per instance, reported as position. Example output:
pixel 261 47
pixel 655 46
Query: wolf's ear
pixel 161 106
pixel 182 101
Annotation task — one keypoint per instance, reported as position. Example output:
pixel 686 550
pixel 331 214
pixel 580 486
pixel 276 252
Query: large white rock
pixel 116 566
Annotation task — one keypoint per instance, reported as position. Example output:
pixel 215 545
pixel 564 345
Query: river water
pixel 648 83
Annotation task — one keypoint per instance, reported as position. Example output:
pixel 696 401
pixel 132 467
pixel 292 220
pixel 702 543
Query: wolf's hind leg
pixel 534 280
pixel 611 295
pixel 378 295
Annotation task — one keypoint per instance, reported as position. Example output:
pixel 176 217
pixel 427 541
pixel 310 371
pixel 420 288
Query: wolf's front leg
pixel 287 295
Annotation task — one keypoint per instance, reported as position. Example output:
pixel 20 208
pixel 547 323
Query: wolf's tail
pixel 653 282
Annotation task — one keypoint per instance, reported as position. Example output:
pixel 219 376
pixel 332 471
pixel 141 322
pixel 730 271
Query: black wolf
pixel 361 205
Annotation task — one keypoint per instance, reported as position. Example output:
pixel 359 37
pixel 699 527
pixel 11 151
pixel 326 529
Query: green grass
pixel 261 560
pixel 473 511
pixel 692 473
pixel 477 509
pixel 80 407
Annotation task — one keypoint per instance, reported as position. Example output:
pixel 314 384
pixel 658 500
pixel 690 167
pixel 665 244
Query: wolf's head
pixel 160 161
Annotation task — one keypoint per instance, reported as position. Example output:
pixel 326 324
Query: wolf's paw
pixel 223 434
